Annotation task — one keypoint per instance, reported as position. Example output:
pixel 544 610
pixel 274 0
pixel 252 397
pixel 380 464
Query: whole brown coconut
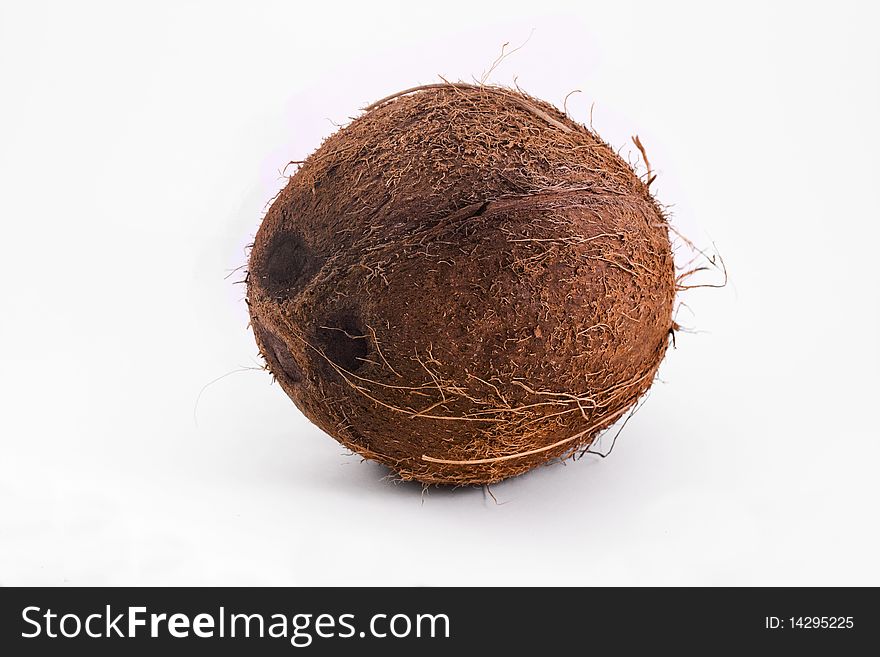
pixel 462 284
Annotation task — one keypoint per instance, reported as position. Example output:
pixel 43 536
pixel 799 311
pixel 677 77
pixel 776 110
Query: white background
pixel 138 147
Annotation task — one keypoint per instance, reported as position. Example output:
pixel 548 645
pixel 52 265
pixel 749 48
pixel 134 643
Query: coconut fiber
pixel 462 284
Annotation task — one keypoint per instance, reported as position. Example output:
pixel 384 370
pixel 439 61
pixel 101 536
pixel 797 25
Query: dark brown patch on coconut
pixel 344 342
pixel 495 284
pixel 288 265
pixel 279 357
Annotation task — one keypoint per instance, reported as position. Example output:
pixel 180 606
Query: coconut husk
pixel 462 284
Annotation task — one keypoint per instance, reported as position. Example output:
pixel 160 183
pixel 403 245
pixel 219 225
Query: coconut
pixel 462 284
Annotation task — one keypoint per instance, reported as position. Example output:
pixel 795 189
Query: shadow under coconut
pixel 379 477
pixel 545 482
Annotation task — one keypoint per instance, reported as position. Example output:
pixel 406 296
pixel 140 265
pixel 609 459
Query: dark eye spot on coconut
pixel 278 352
pixel 344 341
pixel 289 265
